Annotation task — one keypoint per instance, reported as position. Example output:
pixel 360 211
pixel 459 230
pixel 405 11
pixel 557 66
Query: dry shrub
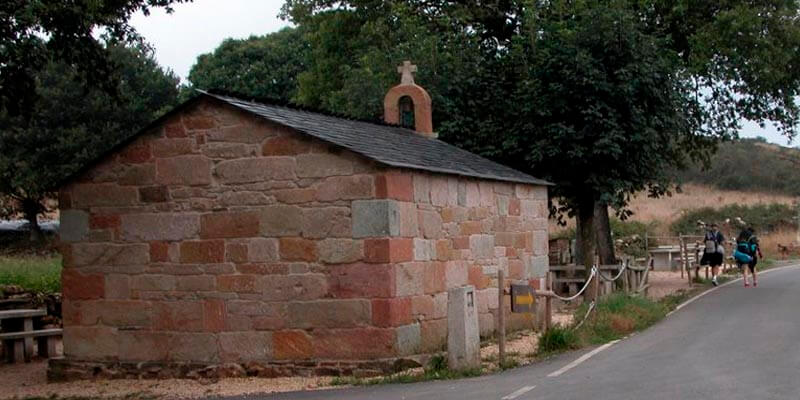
pixel 769 244
pixel 621 324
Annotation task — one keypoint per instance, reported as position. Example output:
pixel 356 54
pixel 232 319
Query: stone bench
pixel 14 343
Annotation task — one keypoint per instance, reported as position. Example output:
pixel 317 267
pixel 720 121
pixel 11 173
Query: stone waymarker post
pixel 463 341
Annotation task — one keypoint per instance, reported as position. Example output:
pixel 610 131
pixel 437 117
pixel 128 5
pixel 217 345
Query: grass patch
pixel 558 338
pixel 618 315
pixel 435 370
pixel 36 273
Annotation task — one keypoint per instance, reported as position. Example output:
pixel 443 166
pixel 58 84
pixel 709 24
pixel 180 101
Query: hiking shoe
pixel 746 284
pixel 755 283
pixel 714 282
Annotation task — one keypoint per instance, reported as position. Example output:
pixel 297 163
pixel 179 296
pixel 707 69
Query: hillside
pixel 751 165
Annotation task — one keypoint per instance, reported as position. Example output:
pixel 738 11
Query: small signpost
pixel 522 299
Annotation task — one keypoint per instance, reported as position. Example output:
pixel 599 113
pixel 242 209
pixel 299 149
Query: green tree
pixel 74 122
pixel 260 66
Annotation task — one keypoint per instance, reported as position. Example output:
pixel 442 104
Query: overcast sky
pixel 199 27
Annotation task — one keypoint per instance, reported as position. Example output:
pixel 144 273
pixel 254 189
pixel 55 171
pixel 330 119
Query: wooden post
pixel 626 284
pixel 501 317
pixel 27 327
pixel 548 306
pixel 684 254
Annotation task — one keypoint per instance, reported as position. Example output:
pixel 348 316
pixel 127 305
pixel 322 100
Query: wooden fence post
pixel 684 254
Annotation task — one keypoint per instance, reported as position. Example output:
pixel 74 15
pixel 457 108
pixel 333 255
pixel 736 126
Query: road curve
pixel 734 343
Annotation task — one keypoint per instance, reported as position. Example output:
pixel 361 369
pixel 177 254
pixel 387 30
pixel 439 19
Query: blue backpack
pixel 744 251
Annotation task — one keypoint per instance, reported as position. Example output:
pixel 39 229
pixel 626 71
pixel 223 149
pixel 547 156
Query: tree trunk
pixel 31 210
pixel 586 240
pixel 602 229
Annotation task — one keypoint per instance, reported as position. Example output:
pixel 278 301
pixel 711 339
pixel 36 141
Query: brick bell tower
pixel 408 104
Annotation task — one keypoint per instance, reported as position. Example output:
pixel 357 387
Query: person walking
pixel 747 242
pixel 714 251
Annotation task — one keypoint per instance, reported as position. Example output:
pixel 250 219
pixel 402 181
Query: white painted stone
pixel 463 336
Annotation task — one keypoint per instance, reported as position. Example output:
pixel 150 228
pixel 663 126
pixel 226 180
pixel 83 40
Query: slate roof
pixel 391 145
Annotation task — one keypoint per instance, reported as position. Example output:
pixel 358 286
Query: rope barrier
pixel 586 316
pixel 591 276
pixel 621 270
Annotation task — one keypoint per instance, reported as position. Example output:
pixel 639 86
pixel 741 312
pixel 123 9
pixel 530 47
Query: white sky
pixel 199 27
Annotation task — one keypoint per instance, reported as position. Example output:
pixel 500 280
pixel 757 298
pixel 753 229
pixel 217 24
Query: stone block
pixel 482 246
pixel 263 250
pixel 322 165
pixel 281 220
pixel 171 147
pixel 236 252
pixel 375 218
pixel 195 283
pixel 104 221
pixel 391 312
pixel 138 175
pixel 476 277
pixel 292 345
pixel 330 313
pixel 105 254
pixel 463 336
pixel 409 339
pixel 143 345
pixel 410 279
pixel 408 220
pixel 434 281
pixel 388 250
pixel 422 307
pixel 117 286
pixel 174 129
pixel 362 281
pixel 245 346
pixel 298 249
pixel 183 170
pixel 194 347
pixel 285 146
pixel 258 169
pixel 202 251
pixel 431 223
pixel 100 195
pixel 178 316
pixel 440 305
pixel 470 228
pixel 214 315
pixel 537 266
pixel 340 251
pixel 74 225
pixel 150 282
pixel 354 343
pixel 540 243
pixel 433 335
pixel 440 190
pixel 345 188
pixel 423 249
pixel 396 186
pixel 422 188
pixel 90 342
pixel 294 287
pixel 326 222
pixel 456 274
pixel 153 194
pixel 487 299
pixel 242 283
pixel 162 226
pixel 229 150
pixel 232 224
pixel 137 152
pixel 514 206
pixel 197 121
pixel 294 196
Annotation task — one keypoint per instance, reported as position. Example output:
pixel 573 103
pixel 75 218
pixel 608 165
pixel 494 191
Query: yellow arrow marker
pixel 525 299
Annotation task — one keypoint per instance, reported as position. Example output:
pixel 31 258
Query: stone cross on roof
pixel 407 69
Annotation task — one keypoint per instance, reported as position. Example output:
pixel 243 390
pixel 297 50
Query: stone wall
pixel 222 239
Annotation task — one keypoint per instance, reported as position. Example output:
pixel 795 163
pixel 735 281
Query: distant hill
pixel 750 165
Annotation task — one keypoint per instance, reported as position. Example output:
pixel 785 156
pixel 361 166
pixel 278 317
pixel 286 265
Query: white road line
pixel 520 392
pixel 581 359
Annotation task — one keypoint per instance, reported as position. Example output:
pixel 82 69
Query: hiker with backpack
pixel 714 251
pixel 747 253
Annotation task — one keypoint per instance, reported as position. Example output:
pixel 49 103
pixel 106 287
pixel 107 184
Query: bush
pixel 618 315
pixel 558 338
pixel 764 218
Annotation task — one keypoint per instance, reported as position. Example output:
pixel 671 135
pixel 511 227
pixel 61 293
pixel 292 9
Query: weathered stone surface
pixel 74 225
pixel 397 186
pixel 281 220
pixel 463 339
pixel 292 345
pixel 294 287
pixel 87 195
pixel 375 218
pixel 150 282
pixel 263 250
pixel 320 165
pixel 431 223
pixel 408 219
pixel 388 250
pixel 298 249
pixel 162 226
pixel 456 274
pixel 434 335
pixel 196 347
pixel 90 342
pixel 171 147
pixel 178 316
pixel 228 150
pixel 229 225
pixel 391 312
pixel 195 283
pixel 81 286
pixel 362 281
pixel 286 146
pixel 202 251
pixel 423 250
pixel 257 169
pixel 243 283
pixel 330 313
pixel 153 194
pixel 245 346
pixel 345 188
pixel 482 246
pixel 409 279
pixel 355 343
pixel 326 222
pixel 409 339
pixel 340 251
pixel 422 188
pixel 96 254
pixel 183 170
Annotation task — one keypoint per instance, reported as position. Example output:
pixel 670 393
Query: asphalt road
pixel 733 343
